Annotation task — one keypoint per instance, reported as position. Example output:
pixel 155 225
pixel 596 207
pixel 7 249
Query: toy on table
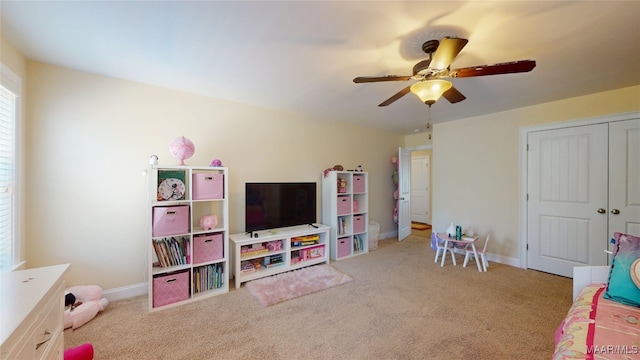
pixel 82 303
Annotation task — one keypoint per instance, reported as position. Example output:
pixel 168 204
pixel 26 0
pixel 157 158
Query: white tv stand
pixel 263 247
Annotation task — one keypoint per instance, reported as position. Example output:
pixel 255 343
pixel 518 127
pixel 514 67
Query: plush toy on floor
pixel 82 303
pixel 82 352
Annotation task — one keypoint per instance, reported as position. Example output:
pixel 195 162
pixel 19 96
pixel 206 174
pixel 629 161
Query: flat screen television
pixel 270 205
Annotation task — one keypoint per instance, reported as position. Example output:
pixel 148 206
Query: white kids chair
pixel 439 245
pixel 481 253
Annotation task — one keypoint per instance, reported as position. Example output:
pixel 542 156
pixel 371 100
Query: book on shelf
pixel 273 260
pixel 304 243
pixel 208 277
pixel 343 226
pixel 306 238
pixel 172 251
pixel 358 244
pixel 249 266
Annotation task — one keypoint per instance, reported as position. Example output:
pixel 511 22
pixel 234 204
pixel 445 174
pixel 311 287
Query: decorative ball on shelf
pixel 209 222
pixel 182 148
pixel 216 163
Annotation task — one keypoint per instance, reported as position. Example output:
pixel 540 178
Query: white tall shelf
pixel 345 206
pixel 200 267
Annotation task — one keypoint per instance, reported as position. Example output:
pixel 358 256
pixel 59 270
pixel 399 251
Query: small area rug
pixel 419 226
pixel 290 285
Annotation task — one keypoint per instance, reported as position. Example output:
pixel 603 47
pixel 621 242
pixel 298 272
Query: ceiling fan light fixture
pixel 430 91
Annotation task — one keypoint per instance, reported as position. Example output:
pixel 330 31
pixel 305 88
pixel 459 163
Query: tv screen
pixel 276 205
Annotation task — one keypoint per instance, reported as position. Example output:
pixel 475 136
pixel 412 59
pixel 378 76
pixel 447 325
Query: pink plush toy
pixel 209 222
pixel 82 352
pixel 88 302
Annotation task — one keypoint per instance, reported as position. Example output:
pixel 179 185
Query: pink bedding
pixel 597 328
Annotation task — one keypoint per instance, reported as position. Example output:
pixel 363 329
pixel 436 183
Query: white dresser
pixel 31 313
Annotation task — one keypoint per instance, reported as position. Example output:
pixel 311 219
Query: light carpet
pixel 290 285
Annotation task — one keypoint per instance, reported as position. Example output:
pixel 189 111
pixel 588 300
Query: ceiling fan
pixel 430 72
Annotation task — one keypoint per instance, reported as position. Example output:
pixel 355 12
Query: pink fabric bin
pixel 170 220
pixel 170 288
pixel 344 205
pixel 358 224
pixel 207 248
pixel 208 186
pixel 312 252
pixel 344 247
pixel 358 183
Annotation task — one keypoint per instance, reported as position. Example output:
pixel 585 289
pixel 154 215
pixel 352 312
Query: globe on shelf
pixel 182 148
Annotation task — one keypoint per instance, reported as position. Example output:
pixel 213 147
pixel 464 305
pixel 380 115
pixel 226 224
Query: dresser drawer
pixel 42 337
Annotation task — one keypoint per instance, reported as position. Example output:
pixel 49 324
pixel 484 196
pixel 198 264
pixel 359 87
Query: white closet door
pixel 624 179
pixel 567 206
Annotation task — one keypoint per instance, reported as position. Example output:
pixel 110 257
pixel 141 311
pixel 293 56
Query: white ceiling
pixel 301 56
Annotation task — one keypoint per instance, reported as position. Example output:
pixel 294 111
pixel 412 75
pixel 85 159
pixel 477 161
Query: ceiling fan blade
pixel 397 96
pixel 368 79
pixel 448 49
pixel 495 69
pixel 453 95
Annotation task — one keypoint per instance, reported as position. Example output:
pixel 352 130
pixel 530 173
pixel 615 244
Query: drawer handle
pixel 46 333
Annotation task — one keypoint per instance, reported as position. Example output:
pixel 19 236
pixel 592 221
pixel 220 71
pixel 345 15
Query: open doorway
pixel 420 190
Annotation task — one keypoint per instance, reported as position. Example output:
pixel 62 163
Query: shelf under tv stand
pixel 292 257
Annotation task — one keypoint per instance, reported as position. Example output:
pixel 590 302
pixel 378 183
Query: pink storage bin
pixel 358 224
pixel 312 252
pixel 344 205
pixel 344 247
pixel 355 205
pixel 208 186
pixel 170 220
pixel 207 248
pixel 358 183
pixel 170 288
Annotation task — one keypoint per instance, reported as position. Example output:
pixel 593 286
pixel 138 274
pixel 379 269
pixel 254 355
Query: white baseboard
pixel 126 292
pixel 496 258
pixel 142 288
pixel 511 261
pixel 391 234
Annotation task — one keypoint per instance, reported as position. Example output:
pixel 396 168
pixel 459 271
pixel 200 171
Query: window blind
pixel 7 178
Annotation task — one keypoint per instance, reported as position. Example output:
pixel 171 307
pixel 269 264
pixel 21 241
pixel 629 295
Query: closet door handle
pixel 615 211
pixel 601 211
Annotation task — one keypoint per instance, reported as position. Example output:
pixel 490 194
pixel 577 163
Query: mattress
pixel 598 328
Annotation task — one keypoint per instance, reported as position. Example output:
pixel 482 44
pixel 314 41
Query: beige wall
pixel 417 140
pixel 476 165
pixel 90 137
